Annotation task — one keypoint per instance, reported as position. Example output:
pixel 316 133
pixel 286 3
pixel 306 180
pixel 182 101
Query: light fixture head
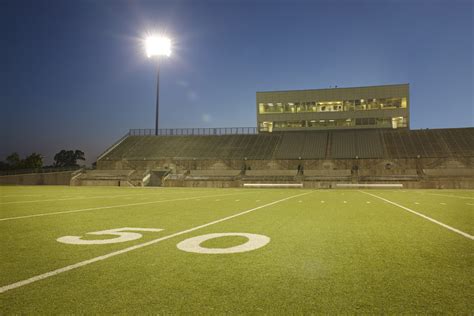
pixel 157 46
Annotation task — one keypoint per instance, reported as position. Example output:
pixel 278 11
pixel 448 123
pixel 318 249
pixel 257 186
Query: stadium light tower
pixel 157 46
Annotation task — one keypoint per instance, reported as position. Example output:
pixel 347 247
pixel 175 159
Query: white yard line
pixel 116 206
pixel 39 277
pixel 423 216
pixel 21 195
pixel 80 198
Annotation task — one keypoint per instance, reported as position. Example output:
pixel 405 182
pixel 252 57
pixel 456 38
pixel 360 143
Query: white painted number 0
pixel 122 233
pixel 194 244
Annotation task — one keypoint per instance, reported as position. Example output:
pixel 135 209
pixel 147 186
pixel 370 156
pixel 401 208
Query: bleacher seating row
pixel 301 145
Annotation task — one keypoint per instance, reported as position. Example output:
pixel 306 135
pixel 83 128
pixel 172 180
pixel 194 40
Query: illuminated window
pixel 266 126
pixel 398 122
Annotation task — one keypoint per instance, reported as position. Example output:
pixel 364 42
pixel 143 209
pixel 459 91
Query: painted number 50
pixel 189 245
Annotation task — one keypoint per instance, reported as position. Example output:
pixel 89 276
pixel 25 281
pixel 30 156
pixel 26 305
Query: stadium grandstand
pixel 232 157
pixel 308 138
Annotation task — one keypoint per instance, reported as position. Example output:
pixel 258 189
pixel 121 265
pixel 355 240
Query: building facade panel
pixel 337 108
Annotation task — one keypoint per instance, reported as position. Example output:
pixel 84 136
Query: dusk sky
pixel 74 74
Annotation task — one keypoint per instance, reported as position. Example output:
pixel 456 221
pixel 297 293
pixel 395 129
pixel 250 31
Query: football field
pixel 95 250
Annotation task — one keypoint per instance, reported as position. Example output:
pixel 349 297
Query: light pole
pixel 157 46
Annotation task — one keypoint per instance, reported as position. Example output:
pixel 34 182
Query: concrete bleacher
pixel 369 144
pixel 106 174
pixel 215 173
pixel 325 157
pixel 458 172
pixel 270 175
pixel 324 174
pixel 104 177
pixel 387 172
pixel 429 143
pixel 343 144
pixel 273 173
pixel 300 145
pixel 291 146
pixel 212 174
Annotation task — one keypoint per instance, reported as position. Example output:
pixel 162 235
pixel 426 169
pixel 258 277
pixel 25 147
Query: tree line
pixel 64 158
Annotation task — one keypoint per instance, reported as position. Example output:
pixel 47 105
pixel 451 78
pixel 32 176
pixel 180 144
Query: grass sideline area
pixel 330 251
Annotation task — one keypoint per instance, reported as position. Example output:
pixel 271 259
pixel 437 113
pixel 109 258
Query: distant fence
pixel 38 170
pixel 194 131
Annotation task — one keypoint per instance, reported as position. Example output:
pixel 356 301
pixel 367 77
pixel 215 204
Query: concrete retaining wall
pixel 52 178
pixel 385 170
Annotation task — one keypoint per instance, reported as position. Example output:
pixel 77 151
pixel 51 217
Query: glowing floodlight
pixel 157 46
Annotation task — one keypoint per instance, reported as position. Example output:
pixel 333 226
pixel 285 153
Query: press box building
pixel 335 108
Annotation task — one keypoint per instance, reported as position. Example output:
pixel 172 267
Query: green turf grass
pixel 338 251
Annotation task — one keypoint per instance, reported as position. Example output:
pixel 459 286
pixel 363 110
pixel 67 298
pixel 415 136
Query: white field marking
pixel 368 202
pixel 123 234
pixel 454 196
pixel 21 195
pixel 345 202
pixel 78 198
pixel 39 277
pixel 423 216
pixel 193 244
pixel 115 206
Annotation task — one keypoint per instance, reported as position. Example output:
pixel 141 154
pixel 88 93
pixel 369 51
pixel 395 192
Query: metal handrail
pixel 38 170
pixel 194 131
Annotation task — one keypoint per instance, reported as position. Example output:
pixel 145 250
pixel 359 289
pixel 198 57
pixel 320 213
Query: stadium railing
pixel 38 170
pixel 193 131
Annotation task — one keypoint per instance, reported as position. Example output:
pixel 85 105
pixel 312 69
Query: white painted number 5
pixel 122 233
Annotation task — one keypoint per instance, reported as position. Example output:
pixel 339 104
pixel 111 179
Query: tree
pixel 33 161
pixel 4 166
pixel 68 158
pixel 13 160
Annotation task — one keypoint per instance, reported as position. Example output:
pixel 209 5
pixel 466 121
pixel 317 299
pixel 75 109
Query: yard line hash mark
pixel 39 277
pixel 423 216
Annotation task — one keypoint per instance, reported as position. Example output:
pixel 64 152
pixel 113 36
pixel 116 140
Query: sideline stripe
pixel 39 277
pixel 114 206
pixel 424 216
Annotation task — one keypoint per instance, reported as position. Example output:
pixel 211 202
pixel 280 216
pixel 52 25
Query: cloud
pixel 206 118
